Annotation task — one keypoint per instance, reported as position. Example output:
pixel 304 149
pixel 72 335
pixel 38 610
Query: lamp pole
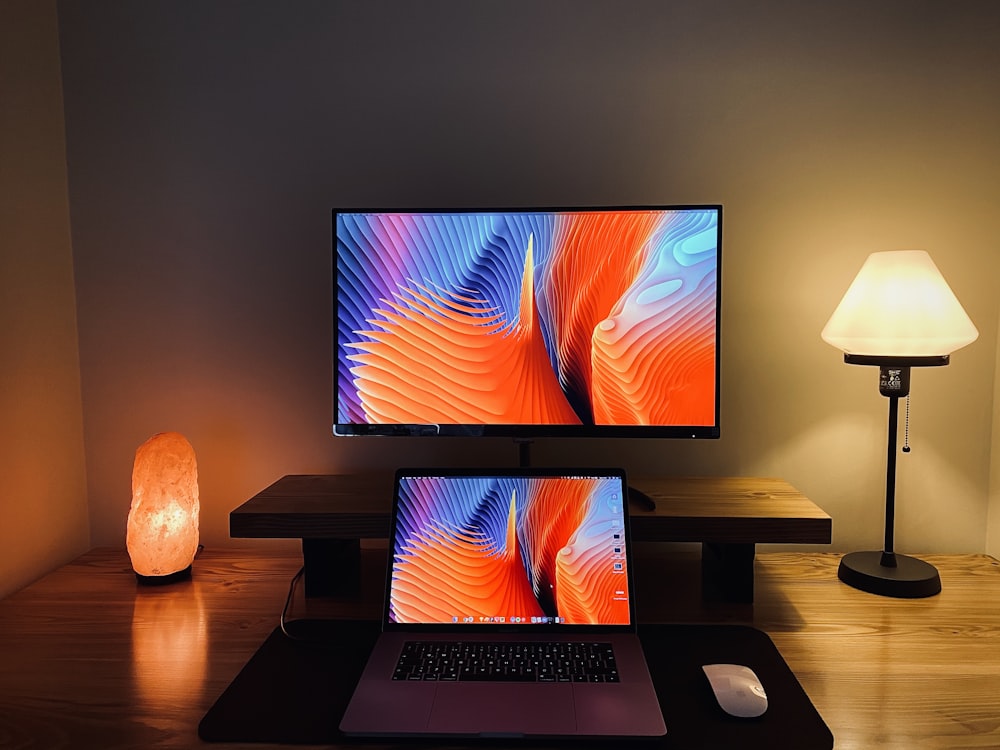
pixel 888 556
pixel 887 573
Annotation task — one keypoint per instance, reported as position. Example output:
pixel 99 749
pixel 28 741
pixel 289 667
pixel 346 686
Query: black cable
pixel 288 601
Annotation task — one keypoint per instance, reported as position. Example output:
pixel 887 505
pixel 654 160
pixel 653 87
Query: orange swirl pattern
pixel 562 318
pixel 556 513
pixel 441 356
pixel 671 382
pixel 602 256
pixel 550 552
pixel 447 571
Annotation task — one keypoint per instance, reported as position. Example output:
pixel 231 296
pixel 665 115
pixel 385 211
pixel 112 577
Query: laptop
pixel 509 611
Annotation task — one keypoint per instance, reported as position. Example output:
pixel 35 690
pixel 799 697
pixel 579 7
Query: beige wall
pixel 993 531
pixel 43 510
pixel 206 149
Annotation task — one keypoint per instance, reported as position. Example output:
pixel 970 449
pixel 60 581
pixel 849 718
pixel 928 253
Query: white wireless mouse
pixel 737 689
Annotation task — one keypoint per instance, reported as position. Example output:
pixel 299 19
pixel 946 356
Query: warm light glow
pixel 162 533
pixel 169 646
pixel 899 305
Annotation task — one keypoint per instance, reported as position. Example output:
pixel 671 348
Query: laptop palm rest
pixel 484 709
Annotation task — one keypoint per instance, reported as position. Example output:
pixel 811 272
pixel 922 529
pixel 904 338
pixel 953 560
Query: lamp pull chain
pixel 906 427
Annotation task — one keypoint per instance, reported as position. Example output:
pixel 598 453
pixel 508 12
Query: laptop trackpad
pixel 504 708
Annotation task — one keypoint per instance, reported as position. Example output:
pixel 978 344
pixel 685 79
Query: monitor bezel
pixel 561 630
pixel 533 430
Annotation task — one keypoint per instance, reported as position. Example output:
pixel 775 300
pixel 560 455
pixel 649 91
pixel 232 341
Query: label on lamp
pixel 894 381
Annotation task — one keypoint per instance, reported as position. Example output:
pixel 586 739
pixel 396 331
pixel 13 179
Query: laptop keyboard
pixel 501 661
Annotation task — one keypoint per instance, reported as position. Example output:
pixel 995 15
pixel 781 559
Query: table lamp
pixel 162 529
pixel 898 313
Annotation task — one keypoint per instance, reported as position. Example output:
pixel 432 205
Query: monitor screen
pixel 542 322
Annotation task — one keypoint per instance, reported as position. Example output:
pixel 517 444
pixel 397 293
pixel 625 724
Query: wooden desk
pixel 90 660
pixel 729 516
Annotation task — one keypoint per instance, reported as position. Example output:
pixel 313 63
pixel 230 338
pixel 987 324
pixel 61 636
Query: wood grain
pixel 742 510
pixel 737 510
pixel 90 659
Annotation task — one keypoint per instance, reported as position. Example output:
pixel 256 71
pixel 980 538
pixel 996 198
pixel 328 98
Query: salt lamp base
pixel 180 575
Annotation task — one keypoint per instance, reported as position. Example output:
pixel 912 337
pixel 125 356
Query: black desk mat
pixel 294 692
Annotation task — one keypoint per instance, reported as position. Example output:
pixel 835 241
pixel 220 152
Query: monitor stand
pixel 635 497
pixel 727 515
pixel 523 452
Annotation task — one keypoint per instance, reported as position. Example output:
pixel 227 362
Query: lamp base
pixel 180 575
pixel 910 579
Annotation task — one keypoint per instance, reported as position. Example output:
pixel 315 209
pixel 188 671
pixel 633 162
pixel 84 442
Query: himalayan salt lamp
pixel 162 531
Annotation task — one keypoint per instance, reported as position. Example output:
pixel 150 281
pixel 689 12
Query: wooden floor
pixel 88 659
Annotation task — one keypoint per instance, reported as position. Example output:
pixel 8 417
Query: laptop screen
pixel 516 548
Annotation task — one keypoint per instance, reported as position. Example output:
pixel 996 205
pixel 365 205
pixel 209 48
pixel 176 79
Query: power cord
pixel 319 632
pixel 283 620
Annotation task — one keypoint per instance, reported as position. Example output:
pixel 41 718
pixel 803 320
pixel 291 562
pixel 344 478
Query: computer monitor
pixel 529 322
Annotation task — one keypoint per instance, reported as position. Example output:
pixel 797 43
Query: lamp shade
pixel 899 305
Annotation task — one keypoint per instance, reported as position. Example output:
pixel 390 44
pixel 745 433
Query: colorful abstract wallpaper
pixel 509 550
pixel 565 318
